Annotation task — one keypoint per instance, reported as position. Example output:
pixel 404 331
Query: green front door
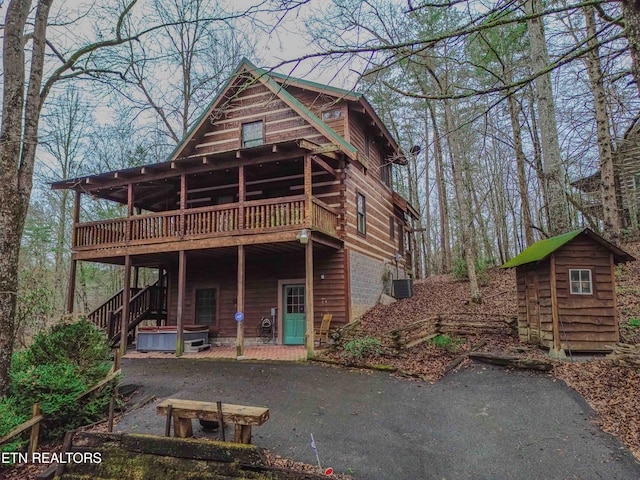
pixel 294 318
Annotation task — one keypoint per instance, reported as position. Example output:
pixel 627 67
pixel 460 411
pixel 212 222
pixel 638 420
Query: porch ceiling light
pixel 303 236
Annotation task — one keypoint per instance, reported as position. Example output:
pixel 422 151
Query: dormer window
pixel 329 115
pixel 252 134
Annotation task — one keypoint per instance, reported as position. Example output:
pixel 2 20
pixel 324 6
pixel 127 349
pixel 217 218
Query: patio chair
pixel 322 333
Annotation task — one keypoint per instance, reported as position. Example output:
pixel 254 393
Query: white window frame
pixel 576 286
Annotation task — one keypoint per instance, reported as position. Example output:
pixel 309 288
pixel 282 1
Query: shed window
pixel 580 281
pixel 252 134
pixel 206 306
pixel 362 214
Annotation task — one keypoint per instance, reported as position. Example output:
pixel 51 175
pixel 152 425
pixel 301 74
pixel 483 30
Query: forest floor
pixel 606 385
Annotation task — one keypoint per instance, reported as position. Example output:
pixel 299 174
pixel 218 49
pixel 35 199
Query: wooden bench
pixel 183 411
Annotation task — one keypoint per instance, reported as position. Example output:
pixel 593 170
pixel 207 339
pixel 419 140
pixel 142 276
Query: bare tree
pixel 26 43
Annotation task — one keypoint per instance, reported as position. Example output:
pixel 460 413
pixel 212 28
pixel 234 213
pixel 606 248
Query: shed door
pixel 294 317
pixel 533 306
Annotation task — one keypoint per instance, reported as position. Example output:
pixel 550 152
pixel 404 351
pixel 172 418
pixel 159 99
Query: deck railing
pixel 257 216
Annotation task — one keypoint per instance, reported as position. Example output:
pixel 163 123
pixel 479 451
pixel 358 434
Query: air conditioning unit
pixel 403 288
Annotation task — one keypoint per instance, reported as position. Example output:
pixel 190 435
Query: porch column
pixel 308 193
pixel 308 268
pixel 183 202
pixel 161 297
pixel 129 210
pixel 241 195
pixel 240 302
pixel 71 288
pixel 126 297
pixel 182 277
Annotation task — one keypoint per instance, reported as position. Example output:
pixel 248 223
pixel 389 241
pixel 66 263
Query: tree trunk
pixel 18 140
pixel 466 227
pixel 611 217
pixel 631 14
pixel 443 205
pixel 523 191
pixel 426 244
pixel 554 173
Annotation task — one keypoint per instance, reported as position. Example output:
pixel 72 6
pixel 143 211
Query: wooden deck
pixel 255 217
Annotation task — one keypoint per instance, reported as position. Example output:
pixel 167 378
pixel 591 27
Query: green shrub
pixel 80 344
pixel 62 363
pixel 447 342
pixel 634 322
pixel 55 387
pixel 359 348
pixel 10 418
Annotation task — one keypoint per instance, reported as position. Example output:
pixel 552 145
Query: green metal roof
pixel 319 86
pixel 542 249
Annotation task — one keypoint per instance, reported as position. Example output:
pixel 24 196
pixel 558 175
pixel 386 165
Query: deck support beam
pixel 71 288
pixel 241 196
pixel 126 297
pixel 308 268
pixel 182 277
pixel 308 187
pixel 240 304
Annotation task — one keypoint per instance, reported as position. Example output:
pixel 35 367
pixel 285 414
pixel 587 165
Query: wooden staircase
pixel 145 304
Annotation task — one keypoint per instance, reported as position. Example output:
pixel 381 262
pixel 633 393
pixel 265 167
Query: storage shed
pixel 567 292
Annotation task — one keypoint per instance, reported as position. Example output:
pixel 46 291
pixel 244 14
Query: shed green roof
pixel 542 249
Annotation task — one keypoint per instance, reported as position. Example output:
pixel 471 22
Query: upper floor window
pixel 385 174
pixel 252 134
pixel 362 213
pixel 329 115
pixel 580 282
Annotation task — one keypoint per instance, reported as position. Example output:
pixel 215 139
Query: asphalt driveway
pixel 480 423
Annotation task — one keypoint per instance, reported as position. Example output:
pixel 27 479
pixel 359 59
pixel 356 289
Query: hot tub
pixel 163 339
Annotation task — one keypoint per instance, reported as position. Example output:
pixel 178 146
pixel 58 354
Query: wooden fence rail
pixel 33 423
pixel 36 416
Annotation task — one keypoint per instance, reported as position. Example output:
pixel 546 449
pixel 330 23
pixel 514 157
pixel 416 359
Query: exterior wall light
pixel 303 236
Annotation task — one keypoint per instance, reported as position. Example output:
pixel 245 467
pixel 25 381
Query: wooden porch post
pixel 307 191
pixel 126 297
pixel 183 202
pixel 182 277
pixel 129 210
pixel 161 285
pixel 308 268
pixel 71 288
pixel 240 302
pixel 241 195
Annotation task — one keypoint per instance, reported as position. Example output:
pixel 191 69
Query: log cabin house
pixel 278 201
pixel 626 161
pixel 567 293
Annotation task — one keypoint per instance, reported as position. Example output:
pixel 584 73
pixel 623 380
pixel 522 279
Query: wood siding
pixel 377 241
pixel 261 287
pixel 257 102
pixel 586 322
